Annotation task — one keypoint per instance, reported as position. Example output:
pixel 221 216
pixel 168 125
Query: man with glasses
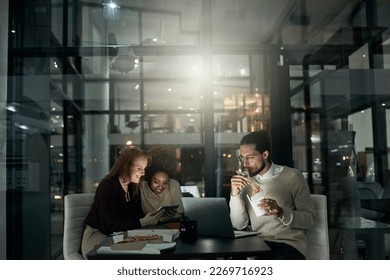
pixel 282 193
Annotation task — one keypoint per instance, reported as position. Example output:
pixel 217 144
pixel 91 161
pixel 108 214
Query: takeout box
pixel 142 241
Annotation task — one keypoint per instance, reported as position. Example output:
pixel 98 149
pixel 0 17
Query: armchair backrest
pixel 76 208
pixel 318 237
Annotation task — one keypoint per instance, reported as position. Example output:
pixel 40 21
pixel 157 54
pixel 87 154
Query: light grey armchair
pixel 76 208
pixel 318 237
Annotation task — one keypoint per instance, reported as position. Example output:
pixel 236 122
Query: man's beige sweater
pixel 289 188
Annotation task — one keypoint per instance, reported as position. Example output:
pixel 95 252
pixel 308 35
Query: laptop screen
pixel 193 190
pixel 211 214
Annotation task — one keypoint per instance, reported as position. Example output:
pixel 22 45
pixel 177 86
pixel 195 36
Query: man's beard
pixel 257 171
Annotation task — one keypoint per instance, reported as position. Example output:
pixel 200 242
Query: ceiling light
pixel 11 108
pixel 110 10
pixel 281 60
pixel 111 5
pixel 22 126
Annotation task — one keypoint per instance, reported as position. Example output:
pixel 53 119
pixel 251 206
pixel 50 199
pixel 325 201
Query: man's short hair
pixel 258 138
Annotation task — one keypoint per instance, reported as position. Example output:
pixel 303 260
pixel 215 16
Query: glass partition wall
pixel 339 100
pixel 87 78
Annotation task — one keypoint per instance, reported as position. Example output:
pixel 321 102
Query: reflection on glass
pixel 177 66
pixel 172 123
pixel 127 96
pixel 184 96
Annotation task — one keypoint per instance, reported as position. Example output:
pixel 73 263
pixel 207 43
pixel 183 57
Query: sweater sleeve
pixel 238 214
pixel 304 215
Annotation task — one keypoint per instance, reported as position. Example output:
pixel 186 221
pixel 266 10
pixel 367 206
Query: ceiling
pixel 243 22
pixel 159 31
pixel 312 31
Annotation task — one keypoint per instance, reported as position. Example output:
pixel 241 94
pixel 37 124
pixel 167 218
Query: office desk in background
pixel 380 205
pixel 372 233
pixel 203 248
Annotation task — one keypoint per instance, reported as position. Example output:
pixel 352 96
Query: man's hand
pixel 272 206
pixel 240 181
pixel 238 184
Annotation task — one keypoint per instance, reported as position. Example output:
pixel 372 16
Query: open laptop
pixel 193 190
pixel 212 216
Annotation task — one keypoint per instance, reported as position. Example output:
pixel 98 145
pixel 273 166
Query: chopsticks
pixel 249 182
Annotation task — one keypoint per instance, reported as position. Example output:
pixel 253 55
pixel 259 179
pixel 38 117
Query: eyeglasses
pixel 248 158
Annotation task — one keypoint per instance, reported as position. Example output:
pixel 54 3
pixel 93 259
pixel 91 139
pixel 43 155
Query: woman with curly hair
pixel 160 188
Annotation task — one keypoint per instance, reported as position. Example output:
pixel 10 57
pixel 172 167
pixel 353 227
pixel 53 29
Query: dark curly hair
pixel 163 160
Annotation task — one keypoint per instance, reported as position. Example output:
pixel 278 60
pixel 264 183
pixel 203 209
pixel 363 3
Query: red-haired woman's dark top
pixel 111 212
